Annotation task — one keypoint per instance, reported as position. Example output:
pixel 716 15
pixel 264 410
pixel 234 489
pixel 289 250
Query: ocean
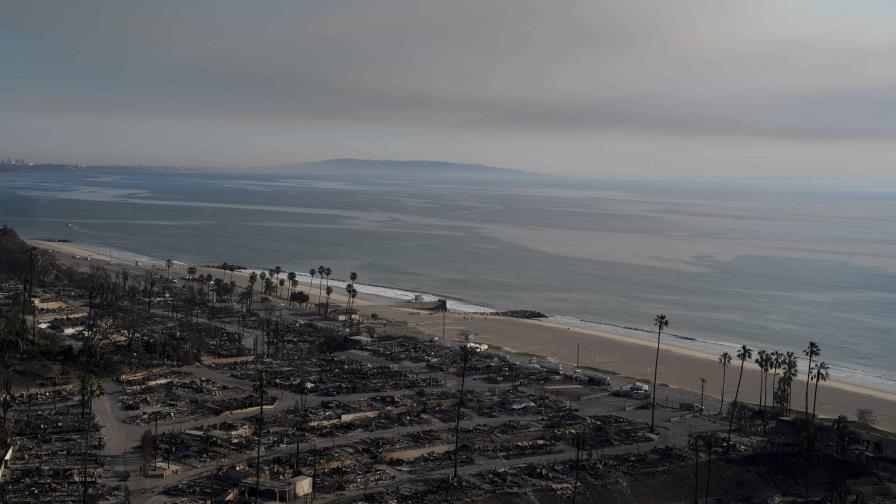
pixel 771 263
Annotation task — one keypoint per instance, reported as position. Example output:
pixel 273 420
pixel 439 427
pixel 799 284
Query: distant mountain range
pixel 329 167
pixel 348 166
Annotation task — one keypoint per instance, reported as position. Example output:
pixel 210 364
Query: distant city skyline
pixel 594 88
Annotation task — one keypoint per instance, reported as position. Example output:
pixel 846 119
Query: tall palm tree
pixel 661 322
pixel 811 351
pixel 250 292
pixel 327 273
pixel 232 268
pixel 168 264
pixel 744 353
pixel 822 373
pixel 281 282
pixel 291 276
pixel 353 293
pixel 724 360
pixel 311 273
pixel 792 370
pixel 348 297
pixel 320 286
pixel 776 361
pixel 277 271
pixel 760 362
pixel 327 309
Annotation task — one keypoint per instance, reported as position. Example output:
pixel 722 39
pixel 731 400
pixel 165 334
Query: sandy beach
pixel 615 354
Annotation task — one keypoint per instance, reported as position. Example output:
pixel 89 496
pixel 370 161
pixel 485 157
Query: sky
pixel 627 88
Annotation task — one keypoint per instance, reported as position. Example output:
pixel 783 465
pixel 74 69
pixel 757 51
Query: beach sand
pixel 629 357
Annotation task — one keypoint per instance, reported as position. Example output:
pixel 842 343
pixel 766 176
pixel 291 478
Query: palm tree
pixel 291 276
pixel 760 362
pixel 348 298
pixel 320 286
pixel 293 285
pixel 277 271
pixel 776 361
pixel 791 371
pixel 328 272
pixel 724 360
pixel 353 293
pixel 281 282
pixel 661 322
pixel 743 354
pixel 232 268
pixel 822 373
pixel 168 264
pixel 811 351
pixel 311 272
pixel 327 310
pixel 250 292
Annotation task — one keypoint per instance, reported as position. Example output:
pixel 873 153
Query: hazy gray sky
pixel 623 88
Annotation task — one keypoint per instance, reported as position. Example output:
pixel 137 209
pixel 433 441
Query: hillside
pixel 425 168
pixel 13 252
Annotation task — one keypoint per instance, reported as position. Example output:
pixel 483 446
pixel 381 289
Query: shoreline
pixel 630 356
pixel 849 374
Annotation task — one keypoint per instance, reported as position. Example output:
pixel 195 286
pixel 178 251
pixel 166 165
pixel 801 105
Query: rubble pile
pixel 55 446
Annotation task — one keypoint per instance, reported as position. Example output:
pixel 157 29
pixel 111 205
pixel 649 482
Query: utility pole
pixel 460 400
pixel 261 387
pixel 297 438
